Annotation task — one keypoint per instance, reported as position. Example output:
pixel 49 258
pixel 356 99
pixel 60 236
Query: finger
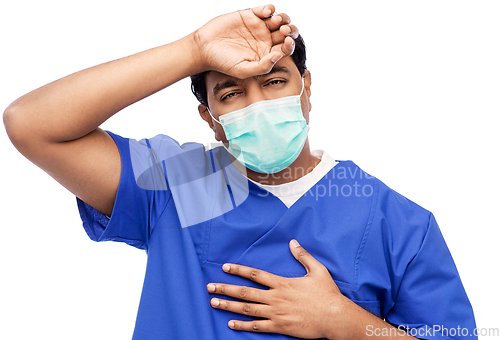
pixel 239 292
pixel 263 12
pixel 276 21
pixel 277 37
pixel 288 47
pixel 245 308
pixel 258 326
pixel 285 49
pixel 290 31
pixel 257 275
pixel 306 259
pixel 248 69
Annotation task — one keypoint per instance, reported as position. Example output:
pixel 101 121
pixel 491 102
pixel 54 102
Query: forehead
pixel 214 78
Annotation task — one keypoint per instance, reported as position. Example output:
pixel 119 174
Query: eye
pixel 275 82
pixel 228 96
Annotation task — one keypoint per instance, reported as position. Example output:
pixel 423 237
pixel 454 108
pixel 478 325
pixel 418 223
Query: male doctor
pixel 217 224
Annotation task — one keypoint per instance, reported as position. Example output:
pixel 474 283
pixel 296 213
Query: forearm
pixel 56 126
pixel 357 323
pixel 73 106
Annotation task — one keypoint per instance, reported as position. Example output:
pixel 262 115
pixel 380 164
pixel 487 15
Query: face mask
pixel 266 136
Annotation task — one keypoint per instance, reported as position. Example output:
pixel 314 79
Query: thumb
pixel 301 255
pixel 263 66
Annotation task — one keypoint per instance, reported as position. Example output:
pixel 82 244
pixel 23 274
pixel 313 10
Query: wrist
pixel 350 321
pixel 187 52
pixel 342 315
pixel 196 51
pixel 353 322
pixel 198 63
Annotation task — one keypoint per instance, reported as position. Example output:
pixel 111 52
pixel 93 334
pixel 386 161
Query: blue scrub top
pixel 192 211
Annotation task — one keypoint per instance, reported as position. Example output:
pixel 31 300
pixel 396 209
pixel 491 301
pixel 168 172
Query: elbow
pixel 9 122
pixel 16 126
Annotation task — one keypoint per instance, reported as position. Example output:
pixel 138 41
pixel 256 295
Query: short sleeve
pixel 431 302
pixel 136 206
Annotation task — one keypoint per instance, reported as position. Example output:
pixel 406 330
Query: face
pixel 227 94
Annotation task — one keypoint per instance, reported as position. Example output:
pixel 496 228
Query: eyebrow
pixel 275 69
pixel 235 82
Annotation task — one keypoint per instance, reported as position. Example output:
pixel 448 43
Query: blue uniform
pixel 192 211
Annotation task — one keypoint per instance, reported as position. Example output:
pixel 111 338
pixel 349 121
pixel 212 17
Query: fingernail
pixel 294 243
pixel 211 288
pixel 226 267
pixel 215 302
pixel 231 324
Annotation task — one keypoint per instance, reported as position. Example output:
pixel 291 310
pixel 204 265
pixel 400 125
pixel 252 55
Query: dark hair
pixel 199 87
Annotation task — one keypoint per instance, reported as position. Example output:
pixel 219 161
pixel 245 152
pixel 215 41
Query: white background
pixel 408 90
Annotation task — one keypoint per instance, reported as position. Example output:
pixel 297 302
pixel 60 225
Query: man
pixel 216 223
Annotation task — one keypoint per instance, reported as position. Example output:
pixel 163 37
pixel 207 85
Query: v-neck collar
pixel 291 192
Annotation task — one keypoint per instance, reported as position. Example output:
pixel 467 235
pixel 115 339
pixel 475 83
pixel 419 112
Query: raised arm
pixel 56 126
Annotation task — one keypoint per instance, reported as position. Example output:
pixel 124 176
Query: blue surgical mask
pixel 266 136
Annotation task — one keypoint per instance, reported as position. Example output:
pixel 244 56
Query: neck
pixel 303 165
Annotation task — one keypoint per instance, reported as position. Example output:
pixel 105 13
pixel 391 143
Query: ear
pixel 205 115
pixel 307 87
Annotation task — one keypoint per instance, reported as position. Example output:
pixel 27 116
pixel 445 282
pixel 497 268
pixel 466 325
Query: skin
pixel 307 307
pixel 287 81
pixel 57 128
pixel 286 306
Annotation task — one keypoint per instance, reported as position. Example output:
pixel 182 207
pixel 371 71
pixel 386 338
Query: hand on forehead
pixel 216 81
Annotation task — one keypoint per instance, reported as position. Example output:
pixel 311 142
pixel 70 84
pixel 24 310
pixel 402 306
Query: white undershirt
pixel 290 192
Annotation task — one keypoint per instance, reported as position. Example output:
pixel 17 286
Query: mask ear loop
pixel 210 113
pixel 303 85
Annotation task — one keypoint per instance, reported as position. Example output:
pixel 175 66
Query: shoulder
pixel 153 160
pixel 386 196
pixel 396 226
pixel 163 146
pixel 147 152
pixel 390 209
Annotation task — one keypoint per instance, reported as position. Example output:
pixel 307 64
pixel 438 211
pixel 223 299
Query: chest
pixel 257 233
